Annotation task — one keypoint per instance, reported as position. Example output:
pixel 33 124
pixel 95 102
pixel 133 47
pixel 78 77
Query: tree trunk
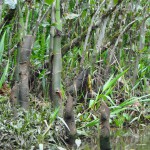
pixel 24 71
pixel 70 121
pixel 52 30
pixel 56 74
pixel 105 127
pixel 57 62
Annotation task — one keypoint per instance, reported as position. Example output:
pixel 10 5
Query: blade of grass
pixel 52 119
pixel 5 73
pixel 2 46
pixel 111 82
pixel 90 124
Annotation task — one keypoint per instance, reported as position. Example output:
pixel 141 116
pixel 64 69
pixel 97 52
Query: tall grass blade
pixel 5 73
pixel 52 119
pixel 111 82
pixel 107 84
pixel 2 46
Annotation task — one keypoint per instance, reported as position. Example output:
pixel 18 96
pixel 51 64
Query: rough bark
pixel 70 121
pixel 105 127
pixel 14 94
pixel 79 86
pixel 52 31
pixel 56 72
pixel 24 71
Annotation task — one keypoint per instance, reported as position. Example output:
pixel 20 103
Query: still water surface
pixel 131 139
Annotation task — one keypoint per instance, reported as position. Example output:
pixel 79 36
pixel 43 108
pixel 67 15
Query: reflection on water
pixel 131 139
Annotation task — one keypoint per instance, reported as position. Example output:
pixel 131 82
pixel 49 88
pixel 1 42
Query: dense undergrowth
pixel 112 44
pixel 39 127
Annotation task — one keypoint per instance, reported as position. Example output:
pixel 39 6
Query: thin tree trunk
pixel 15 88
pixel 57 63
pixel 24 71
pixel 52 30
pixel 70 121
pixel 105 127
pixel 56 74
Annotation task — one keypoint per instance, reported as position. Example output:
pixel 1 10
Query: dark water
pixel 122 139
pixel 131 139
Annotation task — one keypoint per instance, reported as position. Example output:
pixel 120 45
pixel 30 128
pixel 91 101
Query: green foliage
pixel 90 124
pixel 5 72
pixel 58 19
pixel 110 83
pixel 115 2
pixel 121 113
pixel 128 101
pixel 2 42
pixel 29 127
pixel 49 2
pixel 52 119
pixel 71 16
pixel 4 75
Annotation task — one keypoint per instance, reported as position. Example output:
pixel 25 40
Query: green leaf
pixel 4 74
pixel 70 16
pixel 52 119
pixel 63 121
pixel 126 116
pixel 45 24
pixel 2 46
pixel 117 111
pixel 82 132
pixel 128 102
pixel 134 119
pixel 115 2
pixel 148 22
pixel 92 103
pixel 21 23
pixel 112 102
pixel 54 115
pixel 92 123
pixel 107 84
pixel 49 2
pixel 145 100
pixel 111 82
pixel 57 16
pixel 147 116
pixel 3 99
